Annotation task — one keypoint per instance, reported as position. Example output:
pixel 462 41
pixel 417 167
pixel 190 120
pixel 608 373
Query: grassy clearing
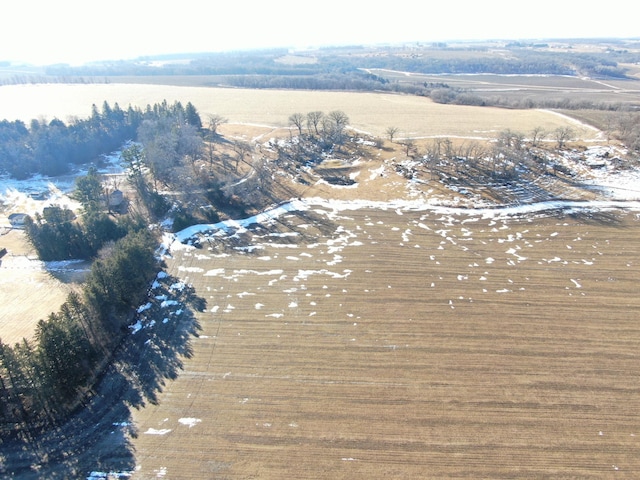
pixel 370 112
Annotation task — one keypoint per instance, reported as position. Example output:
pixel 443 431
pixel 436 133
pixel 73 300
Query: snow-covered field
pixel 31 196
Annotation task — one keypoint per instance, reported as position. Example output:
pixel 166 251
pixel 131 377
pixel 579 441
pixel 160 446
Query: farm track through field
pixel 407 345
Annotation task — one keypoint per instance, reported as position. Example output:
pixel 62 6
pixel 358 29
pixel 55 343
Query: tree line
pixel 43 380
pixel 328 128
pixel 511 155
pixel 57 235
pixel 446 94
pixel 54 148
pixel 356 81
pixel 442 59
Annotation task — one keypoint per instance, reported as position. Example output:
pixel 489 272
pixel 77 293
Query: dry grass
pixel 370 112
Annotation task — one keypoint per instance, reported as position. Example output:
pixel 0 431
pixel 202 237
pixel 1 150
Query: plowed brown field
pixel 375 341
pixel 382 343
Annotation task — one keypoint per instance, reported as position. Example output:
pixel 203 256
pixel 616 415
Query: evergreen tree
pixel 65 352
pixel 99 229
pixel 18 404
pixel 192 116
pixel 89 191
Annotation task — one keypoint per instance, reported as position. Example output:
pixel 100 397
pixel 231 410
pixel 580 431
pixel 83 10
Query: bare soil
pixel 389 344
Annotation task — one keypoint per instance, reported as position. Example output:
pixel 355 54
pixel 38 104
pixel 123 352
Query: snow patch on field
pixel 108 475
pixel 190 269
pixel 305 274
pixel 154 431
pixel 189 421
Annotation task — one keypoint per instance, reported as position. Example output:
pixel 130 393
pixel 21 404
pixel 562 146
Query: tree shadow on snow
pixel 95 441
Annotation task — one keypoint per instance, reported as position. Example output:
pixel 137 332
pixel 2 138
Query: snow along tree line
pixel 44 379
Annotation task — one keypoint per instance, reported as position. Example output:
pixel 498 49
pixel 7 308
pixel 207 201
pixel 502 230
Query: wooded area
pixel 54 148
pixel 45 379
pixel 523 58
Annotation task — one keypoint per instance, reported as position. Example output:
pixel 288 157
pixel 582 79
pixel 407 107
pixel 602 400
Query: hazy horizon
pixel 40 32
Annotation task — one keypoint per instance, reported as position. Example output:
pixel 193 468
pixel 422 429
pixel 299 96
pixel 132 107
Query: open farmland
pixel 398 341
pixel 30 289
pixel 402 339
pixel 392 328
pixel 416 117
pixel 541 89
pixel 376 339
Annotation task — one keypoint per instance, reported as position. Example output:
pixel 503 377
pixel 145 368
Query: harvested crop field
pixel 415 117
pixel 30 289
pixel 388 328
pixel 385 341
pixel 542 89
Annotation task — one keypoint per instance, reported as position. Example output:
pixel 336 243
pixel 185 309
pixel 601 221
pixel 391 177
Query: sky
pixel 77 31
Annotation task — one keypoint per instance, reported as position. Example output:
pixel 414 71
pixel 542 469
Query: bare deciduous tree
pixel 432 156
pixel 562 135
pixel 242 148
pixel 210 149
pixel 510 139
pixel 628 126
pixel 409 145
pixel 390 132
pixel 471 152
pixel 314 120
pixel 537 135
pixel 334 125
pixel 214 121
pixel 297 120
pixel 518 140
